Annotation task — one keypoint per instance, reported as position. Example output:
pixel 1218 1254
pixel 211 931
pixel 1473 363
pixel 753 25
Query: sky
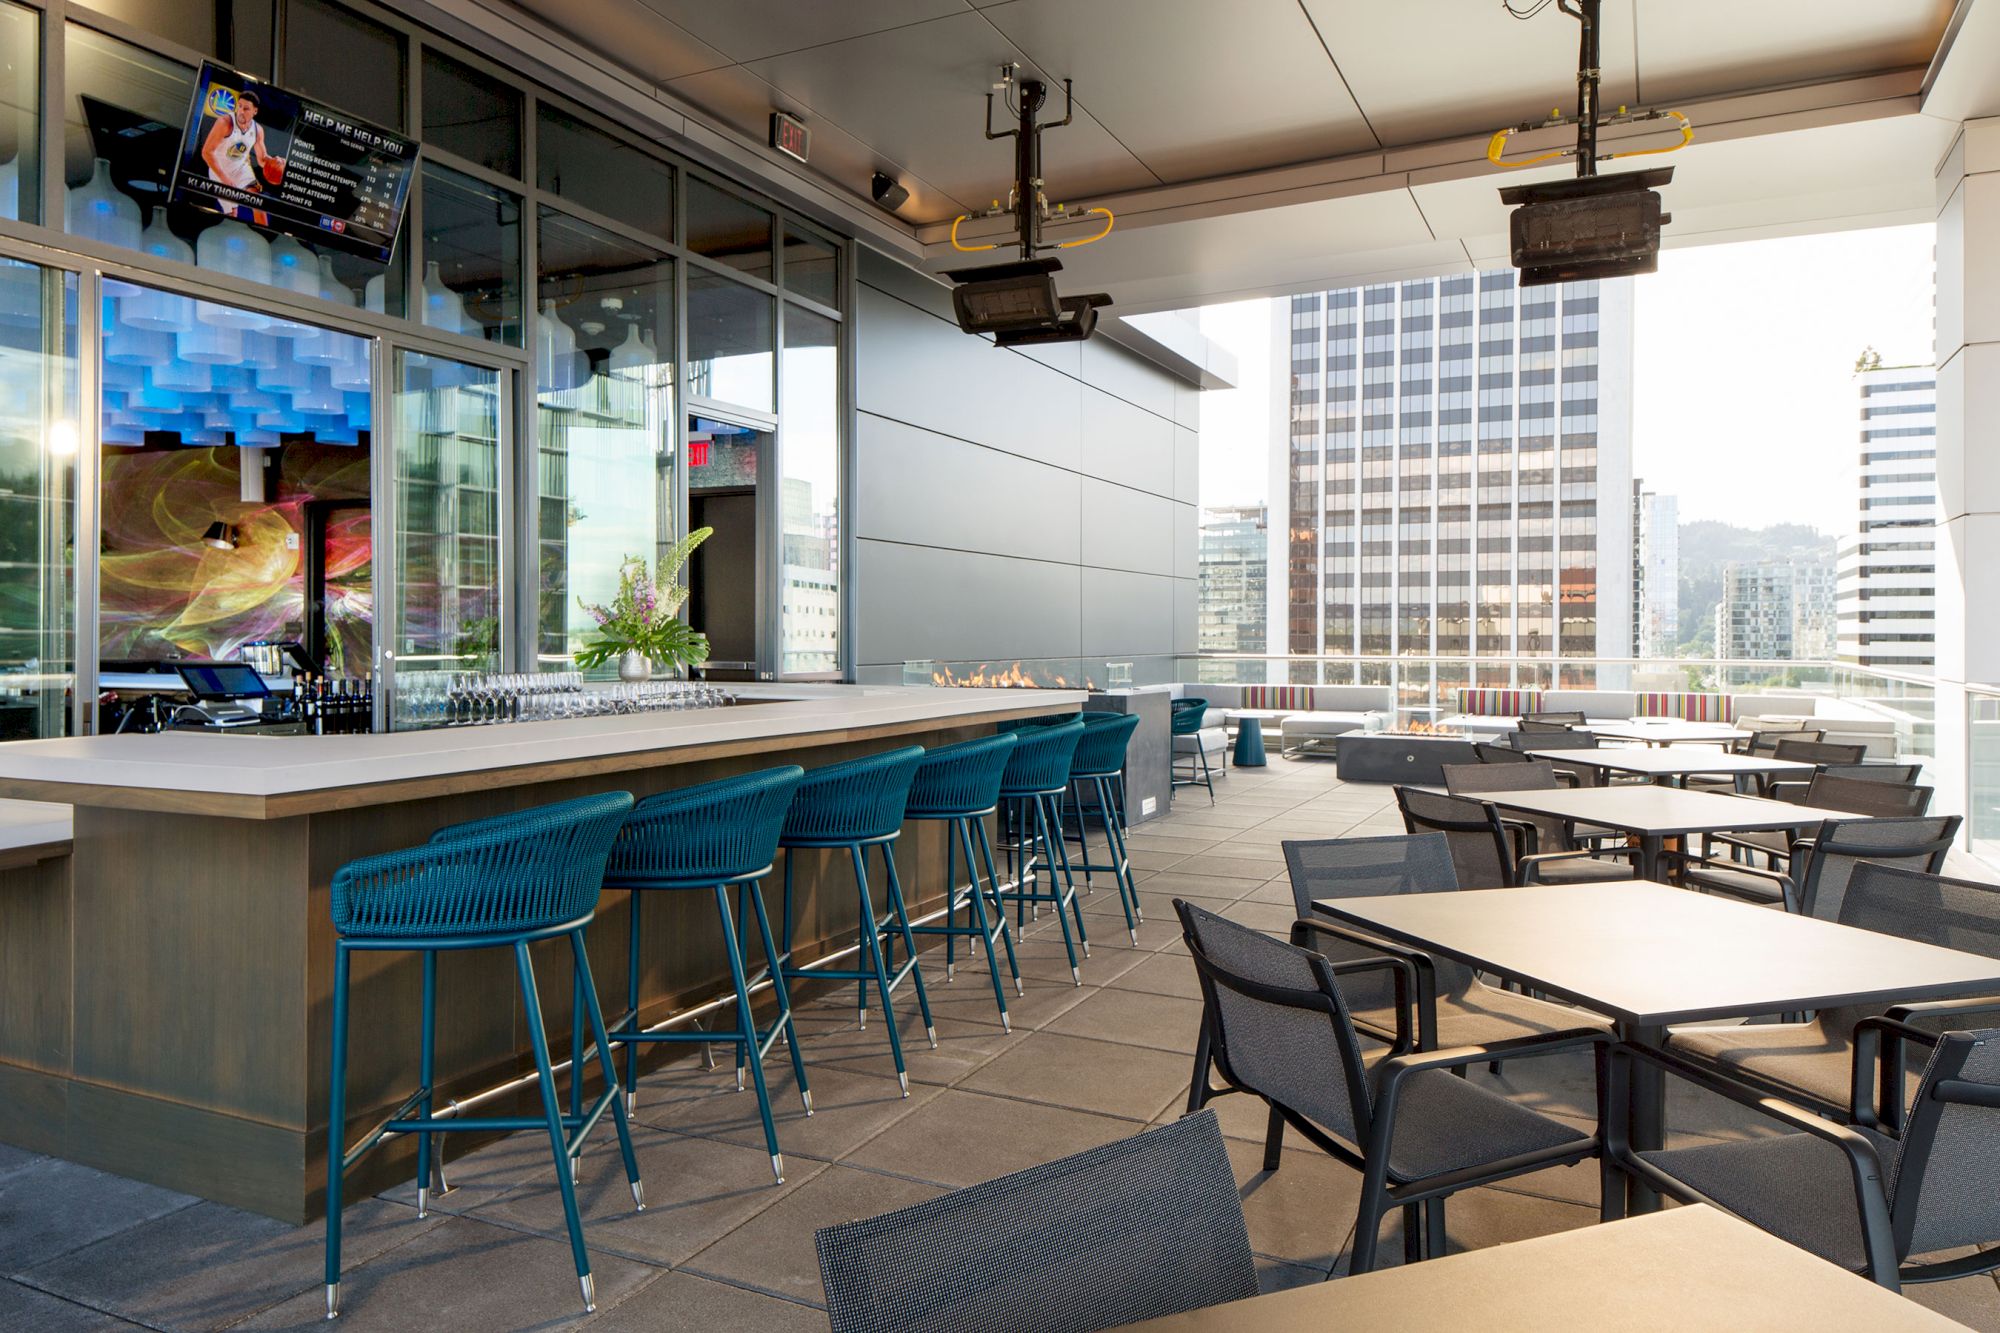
pixel 1743 396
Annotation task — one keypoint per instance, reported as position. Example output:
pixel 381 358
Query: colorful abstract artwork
pixel 165 594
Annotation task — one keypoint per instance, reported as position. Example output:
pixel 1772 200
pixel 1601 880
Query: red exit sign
pixel 697 453
pixel 790 136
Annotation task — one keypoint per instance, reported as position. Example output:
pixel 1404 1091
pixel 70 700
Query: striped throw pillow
pixel 1277 698
pixel 1498 703
pixel 1687 707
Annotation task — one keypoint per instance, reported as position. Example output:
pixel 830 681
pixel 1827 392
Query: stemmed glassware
pixel 472 698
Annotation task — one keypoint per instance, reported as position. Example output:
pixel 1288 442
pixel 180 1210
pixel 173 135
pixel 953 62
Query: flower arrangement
pixel 644 618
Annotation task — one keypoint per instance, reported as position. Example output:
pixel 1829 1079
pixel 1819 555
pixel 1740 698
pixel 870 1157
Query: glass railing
pixel 1982 803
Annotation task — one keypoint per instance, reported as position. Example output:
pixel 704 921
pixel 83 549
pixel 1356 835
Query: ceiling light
pixel 220 535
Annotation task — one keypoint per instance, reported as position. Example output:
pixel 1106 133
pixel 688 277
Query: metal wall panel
pixel 1126 615
pixel 921 488
pixel 920 602
pixel 1126 444
pixel 1127 529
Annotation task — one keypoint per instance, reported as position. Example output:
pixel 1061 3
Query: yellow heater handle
pixel 968 249
pixel 1109 222
pixel 1687 137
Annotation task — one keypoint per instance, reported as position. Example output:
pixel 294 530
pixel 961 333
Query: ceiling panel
pixel 1444 68
pixel 1694 48
pixel 630 35
pixel 743 101
pixel 918 96
pixel 1193 88
pixel 753 29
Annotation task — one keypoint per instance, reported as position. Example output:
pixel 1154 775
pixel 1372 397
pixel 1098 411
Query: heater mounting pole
pixel 1588 74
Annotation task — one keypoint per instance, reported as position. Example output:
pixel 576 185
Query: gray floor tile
pixel 1480 1218
pixel 682 1300
pixel 1972 1301
pixel 968 1030
pixel 1277 1275
pixel 1040 1001
pixel 774 1252
pixel 468 1274
pixel 209 1265
pixel 1184 842
pixel 27 1311
pixel 494 1171
pixel 848 1108
pixel 1275 918
pixel 696 1189
pixel 1208 864
pixel 1137 1019
pixel 1162 974
pixel 962 1138
pixel 50 1207
pixel 13 1159
pixel 1300 1213
pixel 1086 1075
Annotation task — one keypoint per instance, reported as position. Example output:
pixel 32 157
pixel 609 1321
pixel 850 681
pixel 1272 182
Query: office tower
pixel 1459 470
pixel 1775 611
pixel 1656 572
pixel 1887 594
pixel 1233 572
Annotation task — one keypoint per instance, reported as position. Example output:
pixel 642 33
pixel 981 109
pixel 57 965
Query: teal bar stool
pixel 852 807
pixel 1098 769
pixel 494 883
pixel 960 785
pixel 1184 726
pixel 1032 788
pixel 713 837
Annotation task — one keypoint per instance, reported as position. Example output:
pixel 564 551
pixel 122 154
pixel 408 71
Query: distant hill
pixel 1707 546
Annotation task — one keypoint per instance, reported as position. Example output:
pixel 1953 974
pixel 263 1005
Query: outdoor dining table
pixel 1673 765
pixel 1665 731
pixel 1652 814
pixel 1693 1268
pixel 1647 956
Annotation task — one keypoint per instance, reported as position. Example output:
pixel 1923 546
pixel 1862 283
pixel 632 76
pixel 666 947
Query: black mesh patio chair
pixel 1894 775
pixel 1139 1228
pixel 1453 1007
pixel 1482 850
pixel 1541 727
pixel 1804 751
pixel 1825 791
pixel 1820 1064
pixel 1575 774
pixel 1552 853
pixel 1279 1029
pixel 1857 1198
pixel 1764 740
pixel 1491 752
pixel 1565 719
pixel 1821 865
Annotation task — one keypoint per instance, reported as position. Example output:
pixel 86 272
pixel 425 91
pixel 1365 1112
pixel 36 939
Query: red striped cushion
pixel 1278 697
pixel 1688 707
pixel 1499 703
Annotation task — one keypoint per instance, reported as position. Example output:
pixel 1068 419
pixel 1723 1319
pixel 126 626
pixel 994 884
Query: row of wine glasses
pixel 477 698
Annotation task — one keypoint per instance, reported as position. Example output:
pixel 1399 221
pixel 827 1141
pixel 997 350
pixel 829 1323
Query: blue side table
pixel 1250 742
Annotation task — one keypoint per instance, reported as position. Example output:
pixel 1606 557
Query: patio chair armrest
pixel 1395 1072
pixel 1875 1095
pixel 1786 888
pixel 1530 865
pixel 1790 790
pixel 1789 1114
pixel 1526 837
pixel 1414 975
pixel 1903 1013
pixel 1748 846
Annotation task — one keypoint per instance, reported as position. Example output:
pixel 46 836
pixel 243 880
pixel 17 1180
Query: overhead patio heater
pixel 1592 226
pixel 1017 303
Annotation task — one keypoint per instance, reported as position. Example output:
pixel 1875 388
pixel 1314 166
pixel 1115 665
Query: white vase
pixel 632 354
pixel 442 307
pixel 324 347
pixel 232 248
pixel 163 312
pixel 100 210
pixel 374 293
pixel 633 667
pixel 555 352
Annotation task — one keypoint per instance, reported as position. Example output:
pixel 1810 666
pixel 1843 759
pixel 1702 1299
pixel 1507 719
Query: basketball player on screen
pixel 234 150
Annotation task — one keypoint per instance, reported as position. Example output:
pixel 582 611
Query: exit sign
pixel 790 136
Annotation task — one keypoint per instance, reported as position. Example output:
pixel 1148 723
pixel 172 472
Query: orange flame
pixel 1012 677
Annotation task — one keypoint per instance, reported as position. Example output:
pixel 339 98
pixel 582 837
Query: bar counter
pixel 165 991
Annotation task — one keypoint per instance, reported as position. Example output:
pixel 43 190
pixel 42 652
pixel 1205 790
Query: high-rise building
pixel 1888 551
pixel 1233 570
pixel 1458 469
pixel 1656 572
pixel 1775 611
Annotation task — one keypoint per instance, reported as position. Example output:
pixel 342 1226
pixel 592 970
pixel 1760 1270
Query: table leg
pixel 1645 1113
pixel 1649 856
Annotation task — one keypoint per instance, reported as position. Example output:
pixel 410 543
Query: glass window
pixel 447 545
pixel 604 371
pixel 809 494
pixel 195 394
pixel 729 341
pixel 600 173
pixel 38 447
pixel 235 32
pixel 338 57
pixel 726 229
pixel 472 257
pixel 812 267
pixel 20 113
pixel 471 114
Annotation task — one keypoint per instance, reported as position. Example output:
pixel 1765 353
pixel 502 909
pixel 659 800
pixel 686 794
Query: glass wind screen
pixel 730 341
pixel 809 495
pixel 216 414
pixel 38 453
pixel 604 371
pixel 447 542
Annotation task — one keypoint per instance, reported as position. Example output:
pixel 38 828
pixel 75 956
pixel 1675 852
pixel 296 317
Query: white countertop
pixel 259 766
pixel 33 823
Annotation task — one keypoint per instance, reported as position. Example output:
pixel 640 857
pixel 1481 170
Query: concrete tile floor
pixel 720 1246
